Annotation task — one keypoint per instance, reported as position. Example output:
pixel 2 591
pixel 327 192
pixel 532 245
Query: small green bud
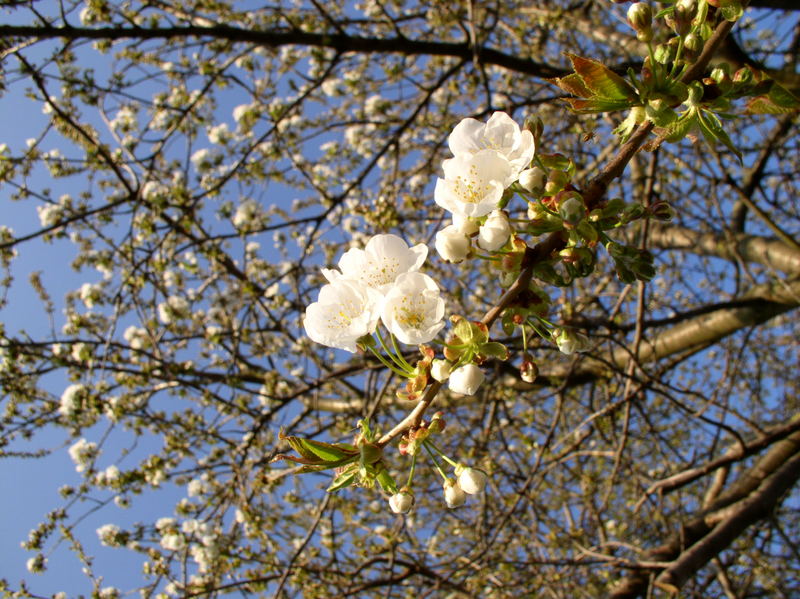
pixel 640 17
pixel 572 209
pixel 556 181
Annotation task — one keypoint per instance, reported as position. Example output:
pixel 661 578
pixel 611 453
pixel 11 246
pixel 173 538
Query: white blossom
pixel 500 134
pixel 173 541
pixel 452 244
pixel 248 215
pixel 109 535
pixel 380 263
pixel 345 311
pixel 402 502
pixel 466 379
pixel 454 495
pixel 413 309
pixel 533 179
pixel 468 226
pixel 494 233
pixel 569 341
pixel 71 399
pixel 440 370
pixel 472 480
pixel 82 452
pixel 473 184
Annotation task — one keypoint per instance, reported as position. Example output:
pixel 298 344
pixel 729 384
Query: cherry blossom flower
pixel 380 263
pixel 440 370
pixel 413 309
pixel 494 233
pixel 454 495
pixel 466 379
pixel 500 134
pixel 452 244
pixel 472 480
pixel 473 184
pixel 402 502
pixel 346 310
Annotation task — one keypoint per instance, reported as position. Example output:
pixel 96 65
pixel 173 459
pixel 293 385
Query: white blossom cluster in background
pixel 487 159
pixel 381 282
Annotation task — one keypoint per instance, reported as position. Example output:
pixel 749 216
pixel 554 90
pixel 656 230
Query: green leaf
pixel 677 130
pixel 572 84
pixel 601 80
pixel 712 130
pixel 593 105
pixel 343 479
pixel 779 100
pixel 494 349
pixel 386 481
pixel 318 451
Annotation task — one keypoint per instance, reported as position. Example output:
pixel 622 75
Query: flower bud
pixel 662 211
pixel 466 379
pixel 465 224
pixel 640 17
pixel 664 53
pixel 556 181
pixel 440 370
pixel 533 180
pixel 528 370
pixel 472 481
pixel 452 244
pixel 693 44
pixel 454 495
pixel 494 233
pixel 569 341
pixel 401 502
pixel 572 210
pixel 437 424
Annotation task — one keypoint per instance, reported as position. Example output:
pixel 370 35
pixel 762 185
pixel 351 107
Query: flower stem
pixel 389 365
pixel 402 365
pixel 413 468
pixel 439 451
pixel 400 353
pixel 435 461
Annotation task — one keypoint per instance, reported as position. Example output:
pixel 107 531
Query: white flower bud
pixel 533 179
pixel 452 244
pixel 570 342
pixel 465 224
pixel 440 370
pixel 472 481
pixel 402 502
pixel 454 495
pixel 466 379
pixel 494 233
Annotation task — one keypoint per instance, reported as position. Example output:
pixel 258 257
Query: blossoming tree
pixel 394 299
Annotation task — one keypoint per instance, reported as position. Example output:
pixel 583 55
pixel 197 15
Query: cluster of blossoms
pixel 487 159
pixel 381 282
